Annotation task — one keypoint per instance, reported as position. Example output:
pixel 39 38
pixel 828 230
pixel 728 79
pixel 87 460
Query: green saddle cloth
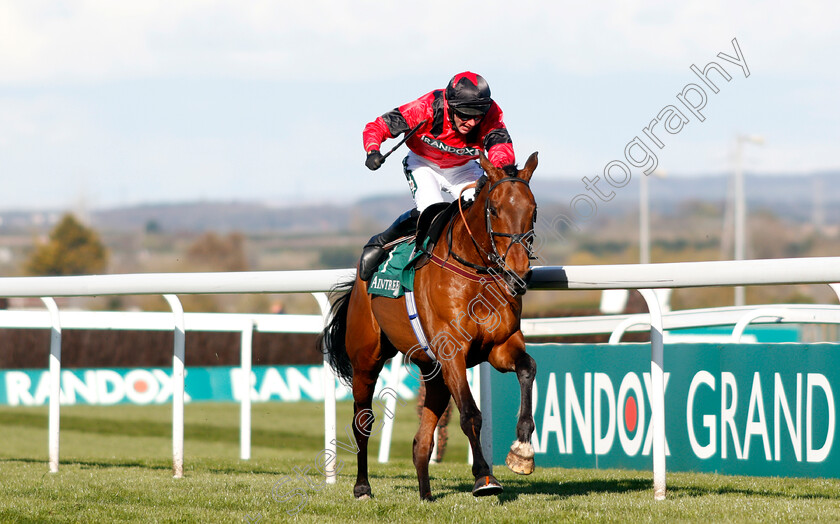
pixel 396 273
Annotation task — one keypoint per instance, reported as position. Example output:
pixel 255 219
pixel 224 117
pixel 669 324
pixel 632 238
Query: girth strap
pixel 414 318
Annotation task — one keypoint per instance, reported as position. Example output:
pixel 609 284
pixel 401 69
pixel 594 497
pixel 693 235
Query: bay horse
pixel 469 300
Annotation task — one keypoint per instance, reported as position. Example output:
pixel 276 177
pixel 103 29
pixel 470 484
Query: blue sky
pixel 116 103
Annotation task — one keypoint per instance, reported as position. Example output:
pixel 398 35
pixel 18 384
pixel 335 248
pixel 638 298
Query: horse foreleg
pixel 507 357
pixel 456 379
pixel 437 399
pixel 520 459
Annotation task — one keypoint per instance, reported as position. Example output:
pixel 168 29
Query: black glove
pixel 374 160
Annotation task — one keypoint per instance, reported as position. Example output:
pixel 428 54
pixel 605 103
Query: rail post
pixel 55 381
pixel 245 360
pixel 177 386
pixel 657 380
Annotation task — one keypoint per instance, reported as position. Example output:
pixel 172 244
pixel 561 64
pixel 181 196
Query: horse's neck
pixel 463 246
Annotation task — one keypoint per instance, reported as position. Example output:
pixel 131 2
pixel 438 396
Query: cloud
pixel 336 41
pixel 129 97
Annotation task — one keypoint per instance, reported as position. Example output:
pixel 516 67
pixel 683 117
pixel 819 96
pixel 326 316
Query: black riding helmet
pixel 468 93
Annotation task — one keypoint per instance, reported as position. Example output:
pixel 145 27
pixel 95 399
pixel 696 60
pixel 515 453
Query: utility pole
pixel 741 206
pixel 644 217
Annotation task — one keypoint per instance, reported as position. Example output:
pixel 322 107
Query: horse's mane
pixel 511 170
pixel 480 183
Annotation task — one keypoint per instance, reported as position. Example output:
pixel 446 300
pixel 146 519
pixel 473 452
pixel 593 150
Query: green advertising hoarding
pixel 748 409
pixel 103 387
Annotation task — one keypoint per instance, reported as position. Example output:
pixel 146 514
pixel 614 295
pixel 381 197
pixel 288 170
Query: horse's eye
pixel 493 211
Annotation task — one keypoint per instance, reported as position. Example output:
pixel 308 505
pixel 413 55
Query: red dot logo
pixel 630 414
pixel 141 386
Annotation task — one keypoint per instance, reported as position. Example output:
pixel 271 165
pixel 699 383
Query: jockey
pixel 455 124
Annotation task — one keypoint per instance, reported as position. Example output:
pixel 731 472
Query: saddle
pixel 406 254
pixel 430 226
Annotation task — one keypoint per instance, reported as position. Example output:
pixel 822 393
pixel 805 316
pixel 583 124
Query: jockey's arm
pixel 394 123
pixel 496 139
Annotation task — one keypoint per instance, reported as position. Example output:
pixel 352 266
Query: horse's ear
pixel 488 167
pixel 526 172
pixel 484 162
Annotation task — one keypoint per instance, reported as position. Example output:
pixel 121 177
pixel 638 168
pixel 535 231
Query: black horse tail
pixel 331 340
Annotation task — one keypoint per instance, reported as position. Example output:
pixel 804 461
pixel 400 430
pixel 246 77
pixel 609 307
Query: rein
pixel 461 209
pixel 495 257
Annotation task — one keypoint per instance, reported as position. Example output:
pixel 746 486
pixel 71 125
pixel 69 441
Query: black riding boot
pixel 374 250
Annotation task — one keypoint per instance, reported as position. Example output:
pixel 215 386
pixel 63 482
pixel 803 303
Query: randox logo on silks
pixel 757 409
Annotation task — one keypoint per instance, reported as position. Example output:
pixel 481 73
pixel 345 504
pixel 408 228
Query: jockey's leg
pixel 457 178
pixel 424 183
pixel 374 251
pixel 424 180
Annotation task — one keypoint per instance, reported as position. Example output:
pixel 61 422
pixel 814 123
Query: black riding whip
pixel 408 134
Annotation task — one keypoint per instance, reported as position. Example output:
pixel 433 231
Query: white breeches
pixel 428 181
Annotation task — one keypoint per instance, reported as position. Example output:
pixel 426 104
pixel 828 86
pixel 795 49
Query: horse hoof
pixel 520 460
pixel 362 492
pixel 485 486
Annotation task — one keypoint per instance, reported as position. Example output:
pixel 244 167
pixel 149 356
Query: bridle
pixel 496 259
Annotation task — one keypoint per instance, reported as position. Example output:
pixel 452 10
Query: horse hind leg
pixel 520 459
pixel 437 399
pixel 364 346
pixel 363 420
pixel 364 385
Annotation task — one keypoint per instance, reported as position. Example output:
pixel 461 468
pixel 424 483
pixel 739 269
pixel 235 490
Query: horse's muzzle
pixel 517 285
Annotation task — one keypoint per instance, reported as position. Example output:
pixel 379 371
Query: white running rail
pixel 825 270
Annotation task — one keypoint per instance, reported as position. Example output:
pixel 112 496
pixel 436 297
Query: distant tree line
pixel 72 249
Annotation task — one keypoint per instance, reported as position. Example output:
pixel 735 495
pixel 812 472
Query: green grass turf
pixel 116 466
